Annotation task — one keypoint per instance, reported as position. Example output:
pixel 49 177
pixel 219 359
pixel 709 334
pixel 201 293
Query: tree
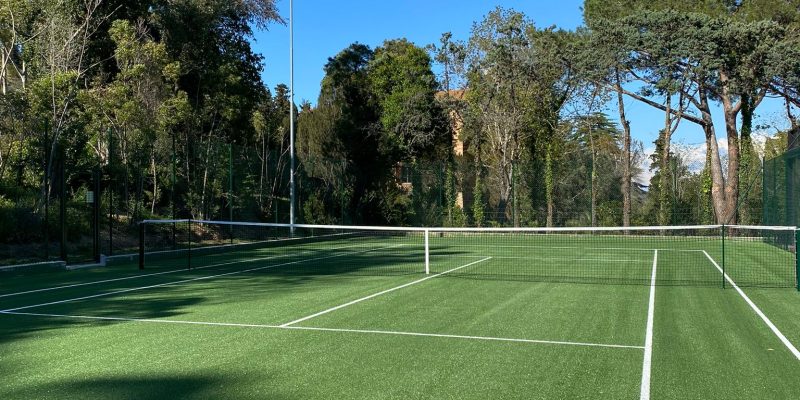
pixel 346 128
pixel 555 73
pixel 499 86
pixel 140 106
pixel 16 31
pixel 404 87
pixel 702 59
pixel 599 137
pixel 744 37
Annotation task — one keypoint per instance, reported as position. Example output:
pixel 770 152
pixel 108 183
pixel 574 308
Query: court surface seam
pixel 757 310
pixel 321 329
pixel 191 280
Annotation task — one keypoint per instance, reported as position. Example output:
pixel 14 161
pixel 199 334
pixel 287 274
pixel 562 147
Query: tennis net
pixel 682 255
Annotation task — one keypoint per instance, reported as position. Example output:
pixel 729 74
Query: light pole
pixel 291 116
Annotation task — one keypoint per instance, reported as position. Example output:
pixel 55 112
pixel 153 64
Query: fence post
pixel 46 190
pixel 797 259
pixel 141 244
pixel 723 256
pixel 230 189
pixel 172 194
pixel 62 207
pixel 189 250
pixel 427 253
pixel 96 215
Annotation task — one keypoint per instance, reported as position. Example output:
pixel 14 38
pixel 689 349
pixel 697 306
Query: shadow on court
pixel 174 294
pixel 139 388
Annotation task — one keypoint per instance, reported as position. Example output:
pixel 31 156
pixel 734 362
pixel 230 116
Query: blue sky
pixel 323 28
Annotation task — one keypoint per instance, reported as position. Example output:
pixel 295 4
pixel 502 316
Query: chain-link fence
pixel 48 208
pixel 61 208
pixel 781 193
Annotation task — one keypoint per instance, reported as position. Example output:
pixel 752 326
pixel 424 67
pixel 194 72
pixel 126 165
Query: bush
pixel 19 223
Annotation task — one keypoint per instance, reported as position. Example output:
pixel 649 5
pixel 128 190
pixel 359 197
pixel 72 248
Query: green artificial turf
pixel 510 317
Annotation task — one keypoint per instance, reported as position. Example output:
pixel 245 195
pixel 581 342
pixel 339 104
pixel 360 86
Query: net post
pixel 141 245
pixel 723 256
pixel 796 259
pixel 427 253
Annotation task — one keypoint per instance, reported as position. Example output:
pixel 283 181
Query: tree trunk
pixel 188 161
pixel 549 183
pixel 626 156
pixel 665 139
pixel 748 162
pixel 262 172
pixel 205 179
pixel 24 75
pixel 515 193
pixel 5 58
pixel 139 194
pixel 3 74
pixel 155 183
pixel 732 185
pixel 718 192
pixel 593 177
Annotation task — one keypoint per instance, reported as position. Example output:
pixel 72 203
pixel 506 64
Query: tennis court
pixel 224 310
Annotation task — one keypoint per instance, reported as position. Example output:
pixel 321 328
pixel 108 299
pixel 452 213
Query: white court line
pixel 512 246
pixel 440 335
pixel 150 320
pixel 644 394
pixel 758 311
pixel 545 258
pixel 380 293
pixel 191 280
pixel 309 328
pixel 166 272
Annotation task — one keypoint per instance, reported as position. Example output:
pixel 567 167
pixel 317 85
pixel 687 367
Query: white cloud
pixel 694 155
pixel 644 175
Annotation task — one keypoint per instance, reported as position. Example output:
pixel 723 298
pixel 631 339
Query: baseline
pixel 310 328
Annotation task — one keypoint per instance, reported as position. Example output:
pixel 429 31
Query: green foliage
pixel 455 212
pixel 155 92
pixel 376 109
pixel 478 202
pixel 704 52
pixel 136 88
pixel 314 211
pixel 404 87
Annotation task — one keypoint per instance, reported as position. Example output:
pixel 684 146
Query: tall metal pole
pixel 291 115
pixel 111 187
pixel 230 189
pixel 46 191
